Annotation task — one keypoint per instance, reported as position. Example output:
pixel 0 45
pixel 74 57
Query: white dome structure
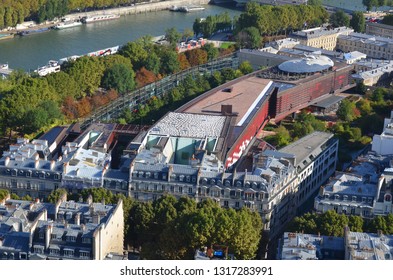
pixel 309 64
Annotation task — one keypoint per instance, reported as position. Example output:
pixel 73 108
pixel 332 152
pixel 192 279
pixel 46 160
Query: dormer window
pixel 388 197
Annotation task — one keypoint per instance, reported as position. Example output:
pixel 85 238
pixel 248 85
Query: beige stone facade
pixel 321 37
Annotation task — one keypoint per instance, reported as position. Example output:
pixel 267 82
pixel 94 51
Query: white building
pixel 383 144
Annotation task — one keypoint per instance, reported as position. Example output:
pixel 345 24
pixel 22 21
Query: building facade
pixel 383 144
pixel 379 29
pixel 321 37
pixel 371 45
pixel 271 187
pixel 67 230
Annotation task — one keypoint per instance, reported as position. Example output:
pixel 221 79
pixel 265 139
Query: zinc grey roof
pixel 117 174
pixel 18 241
pixel 328 101
pixel 189 125
pixel 320 31
pixel 309 145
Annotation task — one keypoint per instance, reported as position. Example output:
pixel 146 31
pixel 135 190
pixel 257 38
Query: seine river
pixel 30 52
pixel 353 5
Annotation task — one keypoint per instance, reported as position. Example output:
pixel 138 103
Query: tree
pixel 358 22
pixel 281 138
pixel 388 19
pixel 314 2
pixel 172 36
pixel 196 57
pixel 339 18
pixel 169 62
pixel 249 38
pixel 228 74
pixel 245 67
pixel 120 78
pixel 370 4
pixel 99 195
pixel 212 52
pixel 144 77
pixel 3 194
pixel 136 53
pixel 187 33
pixel 55 195
pixel 87 72
pixel 183 61
pixel 64 85
pixel 346 110
pixel 153 63
pixel 364 105
pixel 38 118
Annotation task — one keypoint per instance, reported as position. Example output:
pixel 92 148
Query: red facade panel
pixel 303 94
pixel 251 129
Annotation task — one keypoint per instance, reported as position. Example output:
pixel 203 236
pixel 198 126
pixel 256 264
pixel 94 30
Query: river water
pixel 29 52
pixel 353 5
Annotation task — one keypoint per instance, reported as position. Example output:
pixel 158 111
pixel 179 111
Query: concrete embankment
pixel 129 10
pixel 141 8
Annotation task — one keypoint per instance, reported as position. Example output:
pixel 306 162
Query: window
pixel 54 252
pixel 71 238
pixel 226 204
pixel 190 190
pixel 68 252
pixel 136 196
pixel 84 255
pixel 180 189
pixel 86 240
pixel 38 249
pixel 237 204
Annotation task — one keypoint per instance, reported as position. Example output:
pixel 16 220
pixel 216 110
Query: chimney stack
pixel 36 163
pixel 77 219
pixel 7 161
pixel 48 232
pixel 96 219
pixel 65 165
pixel 52 164
pixel 89 199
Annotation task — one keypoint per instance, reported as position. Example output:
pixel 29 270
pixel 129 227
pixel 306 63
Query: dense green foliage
pixel 3 194
pixel 332 224
pixel 358 22
pixel 188 89
pixel 388 19
pixel 172 229
pixel 13 12
pixel 30 104
pixel 249 38
pixel 272 20
pixel 212 24
pixel 339 18
pixel 303 124
pixel 370 4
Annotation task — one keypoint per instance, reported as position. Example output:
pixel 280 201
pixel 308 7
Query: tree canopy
pixel 339 18
pixel 358 22
pixel 173 229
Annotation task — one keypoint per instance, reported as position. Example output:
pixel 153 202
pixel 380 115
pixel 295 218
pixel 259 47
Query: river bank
pixel 139 8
